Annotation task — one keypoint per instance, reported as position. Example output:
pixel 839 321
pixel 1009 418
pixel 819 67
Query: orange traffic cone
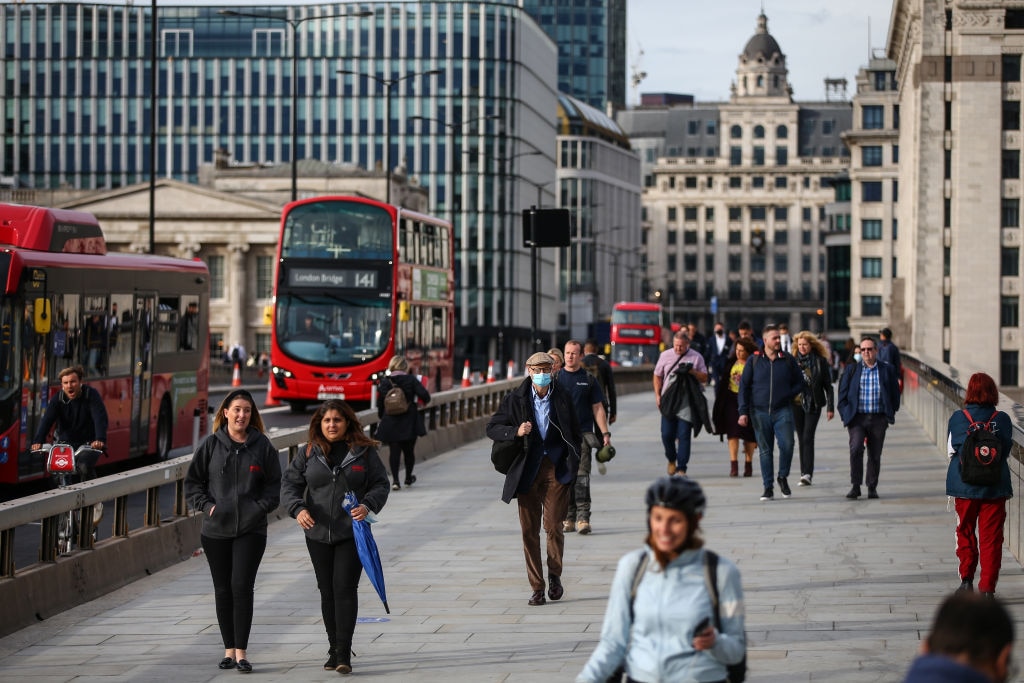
pixel 511 370
pixel 236 376
pixel 490 372
pixel 271 402
pixel 465 375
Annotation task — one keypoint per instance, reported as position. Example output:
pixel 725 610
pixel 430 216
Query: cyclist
pixel 80 418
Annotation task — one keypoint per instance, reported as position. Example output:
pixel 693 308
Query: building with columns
pixel 958 69
pixel 735 192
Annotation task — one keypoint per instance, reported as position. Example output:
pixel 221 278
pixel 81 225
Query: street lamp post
pixel 388 84
pixel 294 24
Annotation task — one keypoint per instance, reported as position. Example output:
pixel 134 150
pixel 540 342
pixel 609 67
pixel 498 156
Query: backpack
pixel 980 459
pixel 736 673
pixel 395 401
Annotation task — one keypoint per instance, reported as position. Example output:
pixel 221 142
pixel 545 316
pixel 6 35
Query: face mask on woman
pixel 542 379
pixel 856 358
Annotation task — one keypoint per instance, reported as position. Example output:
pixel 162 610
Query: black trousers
pixel 806 423
pixel 233 565
pixel 866 429
pixel 398 449
pixel 337 569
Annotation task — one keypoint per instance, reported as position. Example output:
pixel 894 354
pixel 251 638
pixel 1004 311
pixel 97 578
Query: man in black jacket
pixel 79 415
pixel 542 478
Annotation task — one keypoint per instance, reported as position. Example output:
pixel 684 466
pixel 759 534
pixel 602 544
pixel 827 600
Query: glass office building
pixel 88 103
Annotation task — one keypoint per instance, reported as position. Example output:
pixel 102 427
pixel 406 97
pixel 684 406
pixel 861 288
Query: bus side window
pixel 120 334
pixel 167 325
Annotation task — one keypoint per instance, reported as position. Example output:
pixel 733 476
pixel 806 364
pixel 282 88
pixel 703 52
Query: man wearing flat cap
pixel 540 414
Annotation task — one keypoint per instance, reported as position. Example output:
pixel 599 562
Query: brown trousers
pixel 547 501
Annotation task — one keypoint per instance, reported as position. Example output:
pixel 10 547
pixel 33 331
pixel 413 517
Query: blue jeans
pixel 675 436
pixel 769 427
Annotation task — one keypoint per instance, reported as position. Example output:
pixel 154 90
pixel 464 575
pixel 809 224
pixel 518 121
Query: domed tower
pixel 762 68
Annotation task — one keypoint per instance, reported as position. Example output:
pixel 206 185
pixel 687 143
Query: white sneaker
pixel 805 480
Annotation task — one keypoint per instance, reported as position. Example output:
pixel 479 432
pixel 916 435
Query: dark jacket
pixel 318 483
pixel 393 428
pixel 698 404
pixel 606 379
pixel 939 669
pixel 717 362
pixel 957 431
pixel 242 480
pixel 849 391
pixel 769 385
pixel 81 421
pixel 516 408
pixel 817 393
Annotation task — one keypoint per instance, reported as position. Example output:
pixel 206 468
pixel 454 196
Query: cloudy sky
pixel 691 46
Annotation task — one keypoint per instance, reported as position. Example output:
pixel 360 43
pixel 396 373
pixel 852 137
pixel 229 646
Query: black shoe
pixel 332 660
pixel 226 663
pixel 784 487
pixel 344 668
pixel 555 589
pixel 872 493
pixel 854 493
pixel 537 598
pixel 409 481
pixel 966 586
pixel 768 494
pixel 243 666
pixel 989 594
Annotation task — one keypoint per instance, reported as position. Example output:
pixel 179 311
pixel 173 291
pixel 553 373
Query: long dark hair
pixel 353 436
pixel 255 421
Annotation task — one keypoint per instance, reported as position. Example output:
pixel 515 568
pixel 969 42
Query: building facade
pixel 591 39
pixel 461 96
pixel 734 196
pixel 958 68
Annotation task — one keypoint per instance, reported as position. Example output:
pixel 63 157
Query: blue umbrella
pixel 366 546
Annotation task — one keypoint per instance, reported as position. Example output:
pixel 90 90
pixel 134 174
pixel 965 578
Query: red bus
pixel 636 333
pixel 137 324
pixel 358 282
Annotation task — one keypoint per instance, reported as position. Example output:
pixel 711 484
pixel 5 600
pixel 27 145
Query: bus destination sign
pixel 333 277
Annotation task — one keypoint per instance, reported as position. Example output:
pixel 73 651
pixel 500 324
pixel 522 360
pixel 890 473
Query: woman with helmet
pixel 661 623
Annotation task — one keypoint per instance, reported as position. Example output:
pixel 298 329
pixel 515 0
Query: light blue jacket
pixel 656 645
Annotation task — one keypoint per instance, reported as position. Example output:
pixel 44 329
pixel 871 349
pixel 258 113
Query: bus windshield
pixel 620 317
pixel 337 230
pixel 333 330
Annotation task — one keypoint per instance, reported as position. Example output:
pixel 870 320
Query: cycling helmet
pixel 677 493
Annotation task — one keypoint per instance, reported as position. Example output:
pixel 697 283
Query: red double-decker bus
pixel 358 282
pixel 636 333
pixel 137 325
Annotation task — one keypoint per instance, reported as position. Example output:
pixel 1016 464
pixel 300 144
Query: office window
pixel 735 262
pixel 870 305
pixel 758 156
pixel 805 238
pixel 1010 213
pixel 690 263
pixel 757 290
pixel 1010 262
pixel 828 126
pixel 781 133
pixel 1011 115
pixel 671 218
pixel 735 156
pixel 781 291
pixel 781 214
pixel 735 213
pixel 735 237
pixel 758 132
pixel 895 154
pixel 735 290
pixel 691 181
pixel 709 262
pixel 671 263
pixel 690 237
pixel 757 182
pixel 711 128
pixel 673 237
pixel 1009 312
pixel 709 213
pixel 709 237
pixel 781 237
pixel 781 263
pixel 871 155
pixel 780 182
pixel 871 268
pixel 871 191
pixel 264 277
pixel 689 213
pixel 757 263
pixel 757 213
pixel 1009 367
pixel 1011 68
pixel 873 117
pixel 781 156
pixel 735 182
pixel 736 132
pixel 215 264
pixel 1011 163
pixel 871 229
pixel 693 127
pixel 806 213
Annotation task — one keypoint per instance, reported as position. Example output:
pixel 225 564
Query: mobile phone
pixel 699 628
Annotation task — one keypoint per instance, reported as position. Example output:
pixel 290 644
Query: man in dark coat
pixel 542 477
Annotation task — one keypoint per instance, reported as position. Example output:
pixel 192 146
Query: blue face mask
pixel 541 379
pixel 856 358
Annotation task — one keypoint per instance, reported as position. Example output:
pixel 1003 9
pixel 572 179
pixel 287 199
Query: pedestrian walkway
pixel 836 590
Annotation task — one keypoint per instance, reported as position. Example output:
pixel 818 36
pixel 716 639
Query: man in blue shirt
pixel 869 397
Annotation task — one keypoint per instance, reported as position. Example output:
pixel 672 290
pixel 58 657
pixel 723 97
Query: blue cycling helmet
pixel 677 493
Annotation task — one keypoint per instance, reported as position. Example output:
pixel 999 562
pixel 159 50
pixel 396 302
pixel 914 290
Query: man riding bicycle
pixel 80 418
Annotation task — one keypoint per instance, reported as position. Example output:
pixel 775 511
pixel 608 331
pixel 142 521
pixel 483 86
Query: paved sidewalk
pixel 836 590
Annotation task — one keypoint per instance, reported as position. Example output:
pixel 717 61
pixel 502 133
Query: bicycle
pixel 63 463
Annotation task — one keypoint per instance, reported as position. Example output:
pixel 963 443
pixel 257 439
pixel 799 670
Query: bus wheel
pixel 297 406
pixel 163 431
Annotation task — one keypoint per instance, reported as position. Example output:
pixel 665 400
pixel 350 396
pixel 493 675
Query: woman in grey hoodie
pixel 234 480
pixel 339 457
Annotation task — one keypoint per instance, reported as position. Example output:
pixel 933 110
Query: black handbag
pixel 504 453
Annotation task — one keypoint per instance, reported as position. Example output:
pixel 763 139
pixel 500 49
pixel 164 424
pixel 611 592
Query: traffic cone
pixel 490 372
pixel 271 402
pixel 465 375
pixel 236 376
pixel 511 370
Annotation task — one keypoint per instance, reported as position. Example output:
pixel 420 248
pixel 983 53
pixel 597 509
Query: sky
pixel 692 46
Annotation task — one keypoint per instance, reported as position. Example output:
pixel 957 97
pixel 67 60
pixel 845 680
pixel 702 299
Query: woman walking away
pixel 339 457
pixel 813 360
pixel 234 480
pixel 399 432
pixel 980 507
pixel 725 413
pixel 665 620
